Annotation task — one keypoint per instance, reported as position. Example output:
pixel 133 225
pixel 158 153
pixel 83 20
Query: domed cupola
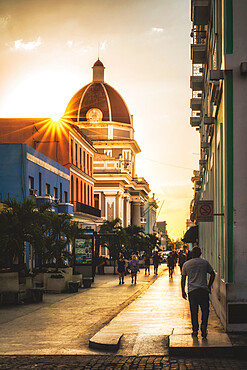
pixel 98 101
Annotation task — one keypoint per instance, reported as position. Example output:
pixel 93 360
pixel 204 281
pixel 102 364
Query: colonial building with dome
pixel 95 141
pixel 101 114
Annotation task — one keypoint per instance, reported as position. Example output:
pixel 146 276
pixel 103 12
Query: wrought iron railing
pixel 85 208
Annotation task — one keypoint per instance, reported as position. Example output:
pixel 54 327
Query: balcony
pixel 112 165
pixel 65 208
pixel 195 121
pixel 196 83
pixel 84 208
pixel 42 199
pixel 199 12
pixel 196 104
pixel 198 53
pixel 209 121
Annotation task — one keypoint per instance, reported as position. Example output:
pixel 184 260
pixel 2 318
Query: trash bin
pixel 87 281
pixel 73 286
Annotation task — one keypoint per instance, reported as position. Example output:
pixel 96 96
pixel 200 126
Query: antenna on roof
pixel 98 49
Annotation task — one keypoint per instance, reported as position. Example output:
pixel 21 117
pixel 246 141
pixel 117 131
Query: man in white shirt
pixel 198 289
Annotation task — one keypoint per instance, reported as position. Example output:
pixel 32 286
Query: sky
pixel 47 49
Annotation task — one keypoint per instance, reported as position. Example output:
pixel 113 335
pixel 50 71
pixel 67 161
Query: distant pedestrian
pixel 156 262
pixel 188 255
pixel 170 264
pixel 181 260
pixel 121 269
pixel 147 264
pixel 198 290
pixel 134 268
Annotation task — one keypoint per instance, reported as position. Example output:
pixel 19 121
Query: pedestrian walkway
pixel 64 323
pixel 159 315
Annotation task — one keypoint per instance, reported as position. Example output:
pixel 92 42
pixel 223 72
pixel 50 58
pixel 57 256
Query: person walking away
pixel 147 264
pixel 188 255
pixel 175 256
pixel 134 267
pixel 170 264
pixel 181 259
pixel 121 268
pixel 197 269
pixel 156 261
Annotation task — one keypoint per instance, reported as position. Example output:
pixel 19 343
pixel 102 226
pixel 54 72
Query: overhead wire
pixel 168 164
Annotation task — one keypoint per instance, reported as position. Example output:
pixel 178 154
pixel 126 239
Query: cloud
pixel 4 21
pixel 70 43
pixel 157 30
pixel 19 44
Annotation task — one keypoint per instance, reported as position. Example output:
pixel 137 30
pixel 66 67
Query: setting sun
pixel 39 94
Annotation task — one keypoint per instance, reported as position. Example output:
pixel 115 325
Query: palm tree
pixel 16 228
pixel 152 242
pixel 112 235
pixel 57 240
pixel 135 240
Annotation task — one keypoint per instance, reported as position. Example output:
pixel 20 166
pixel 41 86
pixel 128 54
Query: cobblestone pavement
pixel 117 362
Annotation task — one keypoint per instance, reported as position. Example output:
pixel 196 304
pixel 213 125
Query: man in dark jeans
pixel 198 290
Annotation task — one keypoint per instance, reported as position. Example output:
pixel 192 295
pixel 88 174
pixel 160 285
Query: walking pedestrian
pixel 170 264
pixel 156 261
pixel 134 267
pixel 197 269
pixel 121 268
pixel 147 264
pixel 181 259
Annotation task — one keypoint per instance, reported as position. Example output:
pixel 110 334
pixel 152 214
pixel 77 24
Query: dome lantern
pixel 98 71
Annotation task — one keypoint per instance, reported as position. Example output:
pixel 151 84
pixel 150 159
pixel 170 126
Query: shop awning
pixel 191 235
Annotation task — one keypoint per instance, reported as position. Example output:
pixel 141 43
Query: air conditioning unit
pixel 33 192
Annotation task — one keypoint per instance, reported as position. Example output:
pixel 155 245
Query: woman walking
pixel 134 267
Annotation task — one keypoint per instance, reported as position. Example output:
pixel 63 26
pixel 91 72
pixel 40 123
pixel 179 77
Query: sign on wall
pixel 205 211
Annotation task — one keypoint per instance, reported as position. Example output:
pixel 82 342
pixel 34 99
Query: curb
pixel 105 341
pixel 184 345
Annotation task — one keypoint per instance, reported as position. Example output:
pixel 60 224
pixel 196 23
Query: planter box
pixel 29 283
pixel 9 282
pixel 66 270
pixel 54 285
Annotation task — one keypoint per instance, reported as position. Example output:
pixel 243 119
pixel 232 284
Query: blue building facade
pixel 26 172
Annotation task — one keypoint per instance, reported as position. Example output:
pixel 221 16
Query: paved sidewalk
pixel 64 323
pixel 145 325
